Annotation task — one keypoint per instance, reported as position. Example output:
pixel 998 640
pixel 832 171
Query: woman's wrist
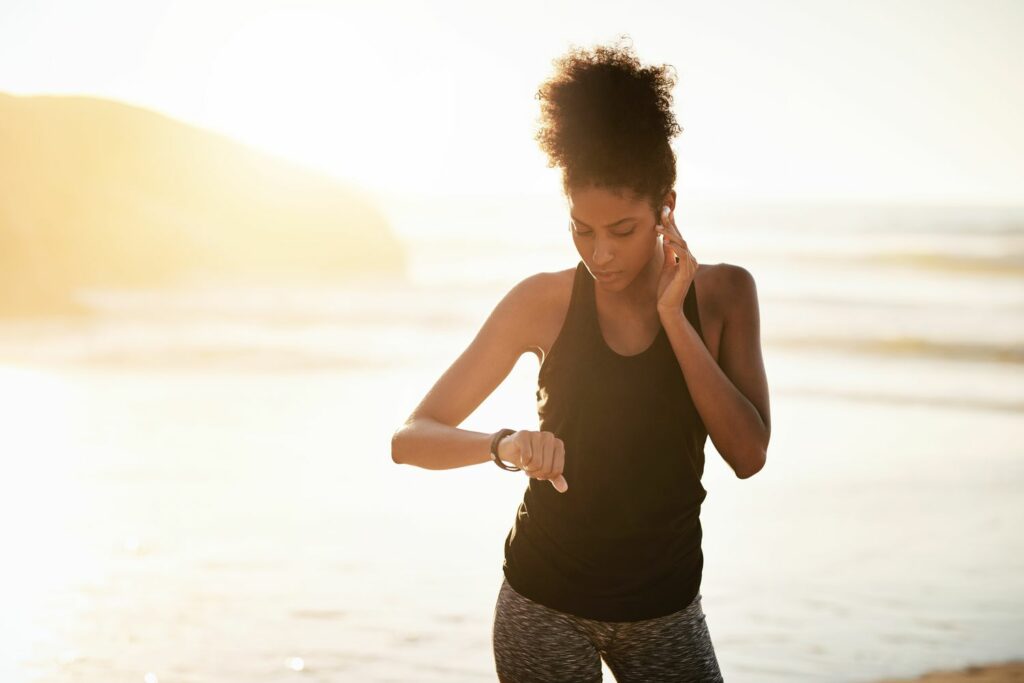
pixel 667 313
pixel 495 444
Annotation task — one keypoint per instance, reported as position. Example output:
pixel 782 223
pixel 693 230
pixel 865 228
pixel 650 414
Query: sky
pixel 901 101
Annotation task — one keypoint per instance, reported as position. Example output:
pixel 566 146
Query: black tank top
pixel 623 543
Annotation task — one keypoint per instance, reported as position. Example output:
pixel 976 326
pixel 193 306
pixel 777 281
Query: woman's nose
pixel 603 253
pixel 602 259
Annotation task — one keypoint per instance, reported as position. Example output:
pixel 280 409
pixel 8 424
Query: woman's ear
pixel 669 201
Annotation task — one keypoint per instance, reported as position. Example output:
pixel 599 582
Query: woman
pixel 644 353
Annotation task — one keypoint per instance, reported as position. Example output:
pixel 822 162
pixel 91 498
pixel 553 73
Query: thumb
pixel 560 484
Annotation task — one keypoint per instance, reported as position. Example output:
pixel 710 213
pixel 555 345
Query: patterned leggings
pixel 536 644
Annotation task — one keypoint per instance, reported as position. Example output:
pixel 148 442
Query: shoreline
pixel 1000 672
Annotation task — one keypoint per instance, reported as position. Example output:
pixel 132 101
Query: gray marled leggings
pixel 536 644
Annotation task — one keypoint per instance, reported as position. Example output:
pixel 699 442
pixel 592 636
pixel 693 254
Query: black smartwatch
pixel 498 436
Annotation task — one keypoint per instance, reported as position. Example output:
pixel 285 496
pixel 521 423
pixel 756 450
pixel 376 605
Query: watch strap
pixel 498 436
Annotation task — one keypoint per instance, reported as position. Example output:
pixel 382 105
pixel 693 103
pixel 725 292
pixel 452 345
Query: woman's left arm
pixel 731 396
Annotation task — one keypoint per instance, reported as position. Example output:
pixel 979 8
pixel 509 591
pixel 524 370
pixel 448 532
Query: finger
pixel 559 458
pixel 537 446
pixel 669 251
pixel 525 455
pixel 667 235
pixel 560 484
pixel 537 453
pixel 669 220
pixel 547 452
pixel 680 249
pixel 677 246
pixel 674 235
pixel 551 452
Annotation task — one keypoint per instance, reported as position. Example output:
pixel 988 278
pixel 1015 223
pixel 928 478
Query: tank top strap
pixel 691 310
pixel 574 339
pixel 578 317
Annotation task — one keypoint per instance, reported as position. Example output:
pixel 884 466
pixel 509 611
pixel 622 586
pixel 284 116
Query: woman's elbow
pixel 753 465
pixel 396 446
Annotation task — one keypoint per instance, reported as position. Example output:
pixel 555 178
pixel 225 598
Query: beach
pixel 200 486
pixel 1010 672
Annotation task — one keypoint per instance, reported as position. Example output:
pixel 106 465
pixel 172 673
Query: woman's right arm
pixel 430 437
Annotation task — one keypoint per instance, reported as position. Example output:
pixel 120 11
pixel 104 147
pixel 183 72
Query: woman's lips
pixel 606 275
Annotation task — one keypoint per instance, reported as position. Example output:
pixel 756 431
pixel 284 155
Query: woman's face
pixel 613 233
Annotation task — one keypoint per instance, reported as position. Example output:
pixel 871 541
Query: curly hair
pixel 607 121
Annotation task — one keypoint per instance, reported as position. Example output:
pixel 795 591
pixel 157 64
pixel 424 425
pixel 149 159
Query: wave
pixel 959 402
pixel 908 346
pixel 1000 265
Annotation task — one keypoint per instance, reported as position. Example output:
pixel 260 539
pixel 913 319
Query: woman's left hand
pixel 678 269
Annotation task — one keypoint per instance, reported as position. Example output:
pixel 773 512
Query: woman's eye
pixel 617 234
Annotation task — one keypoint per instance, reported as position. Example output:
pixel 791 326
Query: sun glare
pixel 309 87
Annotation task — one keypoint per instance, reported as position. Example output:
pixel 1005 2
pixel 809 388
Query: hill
pixel 95 192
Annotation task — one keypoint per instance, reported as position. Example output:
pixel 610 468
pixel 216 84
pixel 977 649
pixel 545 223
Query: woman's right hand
pixel 540 455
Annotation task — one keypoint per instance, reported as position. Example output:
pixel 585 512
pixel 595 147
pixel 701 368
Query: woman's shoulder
pixel 546 288
pixel 546 296
pixel 718 284
pixel 719 278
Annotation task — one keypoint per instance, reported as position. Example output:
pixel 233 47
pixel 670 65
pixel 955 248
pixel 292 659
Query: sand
pixel 987 673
